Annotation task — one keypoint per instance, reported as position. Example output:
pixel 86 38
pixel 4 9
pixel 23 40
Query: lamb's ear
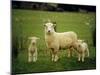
pixel 37 38
pixel 54 23
pixel 83 41
pixel 44 25
pixel 29 38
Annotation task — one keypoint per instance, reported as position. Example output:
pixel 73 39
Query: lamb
pixel 56 41
pixel 82 49
pixel 32 49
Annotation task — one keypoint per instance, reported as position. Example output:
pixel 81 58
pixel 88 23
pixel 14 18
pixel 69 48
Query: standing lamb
pixel 82 49
pixel 56 41
pixel 32 49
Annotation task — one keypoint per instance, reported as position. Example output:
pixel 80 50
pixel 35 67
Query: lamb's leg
pixel 83 55
pixel 79 56
pixel 29 57
pixel 88 52
pixel 35 56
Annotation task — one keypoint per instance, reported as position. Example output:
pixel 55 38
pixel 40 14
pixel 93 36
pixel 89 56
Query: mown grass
pixel 28 23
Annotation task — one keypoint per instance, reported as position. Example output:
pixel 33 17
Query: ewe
pixel 32 49
pixel 55 40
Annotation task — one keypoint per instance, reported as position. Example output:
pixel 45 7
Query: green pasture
pixel 26 23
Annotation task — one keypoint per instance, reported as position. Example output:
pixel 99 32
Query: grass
pixel 27 23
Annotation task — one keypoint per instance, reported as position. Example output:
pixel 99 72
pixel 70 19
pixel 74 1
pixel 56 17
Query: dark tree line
pixel 51 6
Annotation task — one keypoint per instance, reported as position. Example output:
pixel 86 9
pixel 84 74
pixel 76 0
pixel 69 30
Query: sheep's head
pixel 33 40
pixel 50 27
pixel 78 44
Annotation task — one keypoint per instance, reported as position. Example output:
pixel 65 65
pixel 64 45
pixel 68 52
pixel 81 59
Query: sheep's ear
pixel 54 23
pixel 37 38
pixel 29 38
pixel 83 41
pixel 44 25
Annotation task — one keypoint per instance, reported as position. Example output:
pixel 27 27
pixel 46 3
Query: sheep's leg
pixel 79 56
pixel 52 54
pixel 35 56
pixel 29 56
pixel 56 56
pixel 83 55
pixel 52 57
pixel 88 52
pixel 69 53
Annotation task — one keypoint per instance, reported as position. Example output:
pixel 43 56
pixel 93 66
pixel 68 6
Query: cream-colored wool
pixel 55 40
pixel 32 49
pixel 82 49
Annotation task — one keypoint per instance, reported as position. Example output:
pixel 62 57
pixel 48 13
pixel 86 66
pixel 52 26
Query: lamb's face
pixel 79 46
pixel 33 40
pixel 49 27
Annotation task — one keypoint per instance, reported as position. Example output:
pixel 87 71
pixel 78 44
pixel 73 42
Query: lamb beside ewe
pixel 56 41
pixel 32 49
pixel 82 49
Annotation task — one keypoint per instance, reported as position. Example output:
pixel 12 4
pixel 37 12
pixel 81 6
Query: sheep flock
pixel 57 40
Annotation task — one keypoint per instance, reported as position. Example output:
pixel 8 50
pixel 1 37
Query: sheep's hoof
pixel 29 61
pixel 82 60
pixel 88 56
pixel 69 56
pixel 52 59
pixel 55 60
pixel 34 60
pixel 78 59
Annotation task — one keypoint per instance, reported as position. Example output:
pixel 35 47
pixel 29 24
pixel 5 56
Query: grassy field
pixel 28 23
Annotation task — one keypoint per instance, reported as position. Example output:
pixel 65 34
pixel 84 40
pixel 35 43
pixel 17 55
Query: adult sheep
pixel 56 41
